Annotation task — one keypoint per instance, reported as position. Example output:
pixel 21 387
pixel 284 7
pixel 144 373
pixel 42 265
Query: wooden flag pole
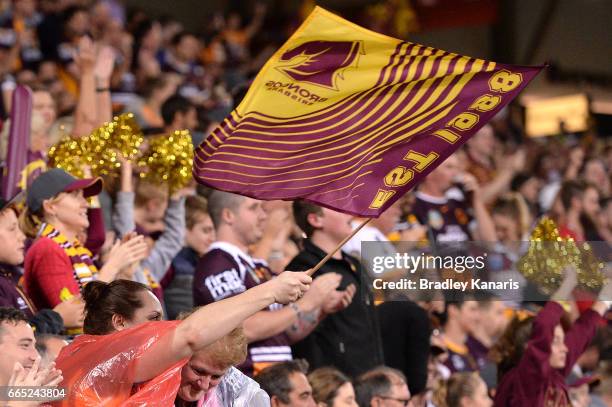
pixel 342 243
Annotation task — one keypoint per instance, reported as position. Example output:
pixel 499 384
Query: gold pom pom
pixel 169 159
pixel 69 155
pixel 99 149
pixel 122 135
pixel 549 254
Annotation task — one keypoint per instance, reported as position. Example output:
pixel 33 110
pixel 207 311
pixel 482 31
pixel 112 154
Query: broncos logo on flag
pixel 320 62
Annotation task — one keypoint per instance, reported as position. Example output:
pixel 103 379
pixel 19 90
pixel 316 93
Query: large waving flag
pixel 351 119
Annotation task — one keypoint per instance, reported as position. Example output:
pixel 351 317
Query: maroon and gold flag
pixel 350 119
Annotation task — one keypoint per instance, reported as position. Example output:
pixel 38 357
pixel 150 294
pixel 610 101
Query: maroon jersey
pixel 459 358
pixel 478 350
pixel 225 271
pixel 533 381
pixel 447 218
pixel 10 293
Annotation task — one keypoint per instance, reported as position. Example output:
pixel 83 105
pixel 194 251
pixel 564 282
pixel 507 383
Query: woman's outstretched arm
pixel 215 320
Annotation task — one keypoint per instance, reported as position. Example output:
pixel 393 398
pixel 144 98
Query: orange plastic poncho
pixel 99 370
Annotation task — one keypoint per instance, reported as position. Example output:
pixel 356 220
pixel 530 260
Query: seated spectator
pixel 286 384
pixel 331 388
pixel 382 387
pixel 49 347
pixel 463 390
pixel 209 377
pixel 605 219
pixel 595 172
pixel 589 360
pixel 199 235
pixel 75 25
pixel 150 203
pixel 44 113
pixel 234 389
pixel 17 351
pixel 21 20
pixel 513 223
pixel 512 219
pixel 602 394
pixel 11 256
pixel 57 266
pixel 182 56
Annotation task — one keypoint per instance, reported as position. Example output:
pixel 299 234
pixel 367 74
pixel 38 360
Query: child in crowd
pixel 130 208
pixel 199 234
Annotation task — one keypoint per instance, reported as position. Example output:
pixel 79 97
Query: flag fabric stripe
pixel 333 162
pixel 370 150
pixel 279 128
pixel 414 100
pixel 410 65
pixel 341 123
pixel 351 152
pixel 371 136
pixel 273 137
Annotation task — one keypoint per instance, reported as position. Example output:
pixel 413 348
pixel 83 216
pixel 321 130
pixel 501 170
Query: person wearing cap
pixel 57 266
pixel 68 313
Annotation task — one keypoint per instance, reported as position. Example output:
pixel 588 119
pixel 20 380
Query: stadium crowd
pixel 190 289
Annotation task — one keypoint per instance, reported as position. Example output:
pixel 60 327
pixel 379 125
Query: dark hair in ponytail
pixel 103 300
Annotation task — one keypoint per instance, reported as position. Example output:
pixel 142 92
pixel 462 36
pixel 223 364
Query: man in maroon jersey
pixel 228 269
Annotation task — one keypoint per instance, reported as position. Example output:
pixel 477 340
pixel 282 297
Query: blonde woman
pixel 58 264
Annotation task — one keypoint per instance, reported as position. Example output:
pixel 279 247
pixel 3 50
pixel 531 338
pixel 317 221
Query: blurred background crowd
pixel 339 345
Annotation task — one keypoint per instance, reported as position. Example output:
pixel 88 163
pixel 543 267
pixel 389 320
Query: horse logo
pixel 320 63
